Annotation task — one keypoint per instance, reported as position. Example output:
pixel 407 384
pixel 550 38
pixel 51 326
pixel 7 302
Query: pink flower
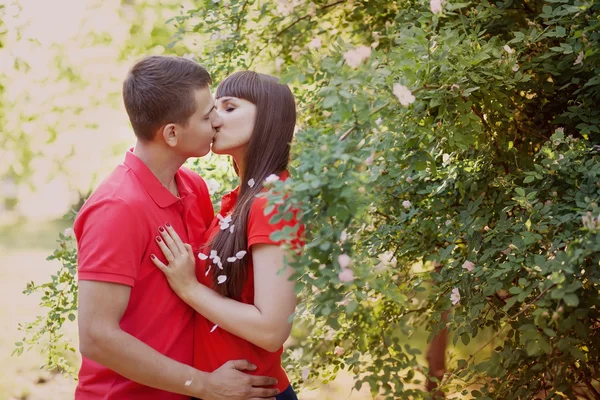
pixel 68 233
pixel 369 160
pixel 508 49
pixel 343 236
pixel 469 266
pixel 515 68
pixel 346 275
pixel 403 94
pixel 344 260
pixel 278 63
pixel 356 56
pixel 435 6
pixel 305 373
pixel 406 204
pixel 338 351
pixel 579 59
pixel 455 296
pixel 409 179
pixel 315 43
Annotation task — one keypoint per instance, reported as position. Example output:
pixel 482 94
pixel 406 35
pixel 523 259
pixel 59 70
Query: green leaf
pixel 465 338
pixel 571 300
pixel 330 101
pixel 351 307
pixel 533 348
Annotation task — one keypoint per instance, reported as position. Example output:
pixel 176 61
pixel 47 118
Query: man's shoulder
pixel 194 180
pixel 119 190
pixel 191 175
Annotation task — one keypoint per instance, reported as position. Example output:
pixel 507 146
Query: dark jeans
pixel 287 394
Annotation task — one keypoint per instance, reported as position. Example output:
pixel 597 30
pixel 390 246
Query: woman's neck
pixel 238 159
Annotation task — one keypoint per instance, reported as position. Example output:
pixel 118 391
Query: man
pixel 136 335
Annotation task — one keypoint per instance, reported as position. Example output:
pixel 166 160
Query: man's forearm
pixel 135 360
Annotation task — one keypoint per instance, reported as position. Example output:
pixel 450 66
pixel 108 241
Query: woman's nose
pixel 217 121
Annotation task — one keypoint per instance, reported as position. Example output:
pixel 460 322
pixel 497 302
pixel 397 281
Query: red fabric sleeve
pixel 259 226
pixel 110 242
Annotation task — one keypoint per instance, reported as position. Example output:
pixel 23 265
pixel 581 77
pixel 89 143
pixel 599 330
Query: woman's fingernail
pixel 152 256
pixel 168 225
pixel 161 229
pixel 158 239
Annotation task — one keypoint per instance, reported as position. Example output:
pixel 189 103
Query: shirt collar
pixel 159 193
pixel 228 201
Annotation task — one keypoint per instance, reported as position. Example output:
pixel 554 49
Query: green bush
pixel 441 158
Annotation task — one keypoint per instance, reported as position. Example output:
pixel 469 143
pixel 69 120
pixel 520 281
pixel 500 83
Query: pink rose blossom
pixel 455 296
pixel 403 94
pixel 346 275
pixel 469 266
pixel 356 56
pixel 435 6
pixel 344 260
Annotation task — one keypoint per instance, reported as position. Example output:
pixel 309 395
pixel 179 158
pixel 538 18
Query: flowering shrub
pixel 446 165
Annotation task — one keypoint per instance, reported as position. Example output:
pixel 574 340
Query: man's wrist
pixel 198 383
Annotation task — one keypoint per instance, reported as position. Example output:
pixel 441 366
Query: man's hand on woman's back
pixel 230 383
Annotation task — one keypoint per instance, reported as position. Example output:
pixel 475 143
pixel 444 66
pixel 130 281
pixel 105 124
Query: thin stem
pixel 289 27
pixel 345 134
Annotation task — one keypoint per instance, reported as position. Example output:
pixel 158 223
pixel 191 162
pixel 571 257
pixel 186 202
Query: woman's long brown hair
pixel 268 153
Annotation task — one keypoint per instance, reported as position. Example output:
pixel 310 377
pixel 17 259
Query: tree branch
pixel 281 32
pixel 345 134
pixel 539 296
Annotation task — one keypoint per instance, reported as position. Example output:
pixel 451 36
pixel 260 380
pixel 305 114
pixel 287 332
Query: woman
pixel 244 300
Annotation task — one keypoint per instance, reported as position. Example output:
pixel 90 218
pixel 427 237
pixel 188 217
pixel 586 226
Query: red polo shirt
pixel 115 232
pixel 213 348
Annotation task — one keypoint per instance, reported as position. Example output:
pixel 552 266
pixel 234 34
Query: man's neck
pixel 163 163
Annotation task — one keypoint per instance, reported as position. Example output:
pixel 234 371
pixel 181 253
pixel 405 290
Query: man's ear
pixel 169 134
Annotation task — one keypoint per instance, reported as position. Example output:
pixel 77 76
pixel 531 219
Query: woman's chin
pixel 216 149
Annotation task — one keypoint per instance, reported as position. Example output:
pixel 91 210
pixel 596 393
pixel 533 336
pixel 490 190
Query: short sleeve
pixel 110 242
pixel 260 227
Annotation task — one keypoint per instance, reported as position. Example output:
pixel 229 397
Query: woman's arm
pixel 265 323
